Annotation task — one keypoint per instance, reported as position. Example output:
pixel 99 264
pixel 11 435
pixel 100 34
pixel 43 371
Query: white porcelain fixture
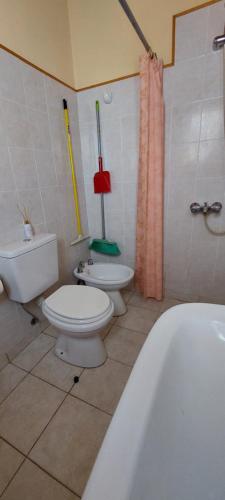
pixel 78 312
pixel 109 277
pixel 166 438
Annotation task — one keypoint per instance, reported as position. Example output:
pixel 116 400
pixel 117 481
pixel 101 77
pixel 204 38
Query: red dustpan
pixel 102 182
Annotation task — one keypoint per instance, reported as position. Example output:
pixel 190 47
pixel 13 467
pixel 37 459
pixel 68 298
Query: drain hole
pixel 61 352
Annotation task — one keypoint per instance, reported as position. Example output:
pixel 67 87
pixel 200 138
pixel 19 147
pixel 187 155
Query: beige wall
pixel 90 41
pixel 38 30
pixel 104 44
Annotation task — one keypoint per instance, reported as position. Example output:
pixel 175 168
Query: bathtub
pixel 166 440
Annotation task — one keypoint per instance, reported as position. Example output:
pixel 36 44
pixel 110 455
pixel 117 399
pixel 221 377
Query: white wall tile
pixel 34 88
pixel 212 119
pixel 191 34
pixel 211 158
pixel 35 172
pixel 16 127
pixel 6 175
pixel 45 168
pixel 186 123
pixel 188 80
pixel 215 23
pixel 11 83
pixel 24 169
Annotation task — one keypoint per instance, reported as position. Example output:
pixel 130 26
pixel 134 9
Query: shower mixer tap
pixel 196 208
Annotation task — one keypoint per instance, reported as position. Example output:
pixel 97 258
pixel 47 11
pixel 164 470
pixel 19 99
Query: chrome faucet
pixel 90 262
pixel 80 267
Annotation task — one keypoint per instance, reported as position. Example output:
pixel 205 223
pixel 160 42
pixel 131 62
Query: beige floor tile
pixel 28 358
pixel 168 303
pixel 57 372
pixel 103 386
pixel 104 332
pixel 31 483
pixel 10 460
pixel 3 361
pixel 68 447
pixel 27 410
pixel 127 294
pixel 52 331
pixel 124 345
pixel 138 319
pixel 24 342
pixel 10 376
pixel 139 301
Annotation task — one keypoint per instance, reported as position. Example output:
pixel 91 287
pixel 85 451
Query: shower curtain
pixel 149 233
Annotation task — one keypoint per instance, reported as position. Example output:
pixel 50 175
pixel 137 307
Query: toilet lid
pixel 78 302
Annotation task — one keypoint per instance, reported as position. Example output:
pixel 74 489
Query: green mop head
pixel 104 246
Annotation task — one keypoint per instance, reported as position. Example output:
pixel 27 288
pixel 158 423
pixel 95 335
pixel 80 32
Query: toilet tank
pixel 28 268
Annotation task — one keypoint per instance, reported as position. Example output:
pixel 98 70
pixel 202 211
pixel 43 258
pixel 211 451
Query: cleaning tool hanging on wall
pixel 80 235
pixel 102 185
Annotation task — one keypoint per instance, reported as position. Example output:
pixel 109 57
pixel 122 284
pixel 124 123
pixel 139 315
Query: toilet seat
pixel 76 308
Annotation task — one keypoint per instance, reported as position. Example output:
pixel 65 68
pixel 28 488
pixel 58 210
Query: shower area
pixel 194 170
pixel 195 159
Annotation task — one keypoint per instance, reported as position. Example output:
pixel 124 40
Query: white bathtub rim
pixel 115 465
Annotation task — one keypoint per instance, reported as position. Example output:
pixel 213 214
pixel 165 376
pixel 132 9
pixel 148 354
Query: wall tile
pixel 15 124
pixel 6 175
pixel 24 169
pixel 213 75
pixel 186 123
pixel 211 158
pixel 215 23
pixel 212 119
pixel 34 88
pixel 191 34
pixel 35 172
pixel 39 127
pixel 45 168
pixel 188 78
pixel 11 83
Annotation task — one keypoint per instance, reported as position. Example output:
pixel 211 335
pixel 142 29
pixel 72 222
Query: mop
pixel 80 235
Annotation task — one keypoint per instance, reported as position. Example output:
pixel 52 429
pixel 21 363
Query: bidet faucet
pixel 80 267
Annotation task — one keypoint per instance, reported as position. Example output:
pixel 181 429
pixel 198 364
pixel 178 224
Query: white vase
pixel 27 232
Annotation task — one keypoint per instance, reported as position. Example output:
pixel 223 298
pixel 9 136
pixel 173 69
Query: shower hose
pixel 212 231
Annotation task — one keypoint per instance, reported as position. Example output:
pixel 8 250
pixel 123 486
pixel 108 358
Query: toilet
pixel 109 277
pixel 28 269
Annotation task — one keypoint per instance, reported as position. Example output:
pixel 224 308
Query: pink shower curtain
pixel 149 234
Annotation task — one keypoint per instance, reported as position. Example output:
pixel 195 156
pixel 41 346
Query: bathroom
pixel 85 52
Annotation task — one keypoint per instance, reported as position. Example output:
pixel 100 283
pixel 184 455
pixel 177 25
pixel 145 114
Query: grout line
pixel 121 362
pixel 130 330
pixel 13 446
pixel 49 383
pixel 42 357
pixel 53 477
pixel 12 390
pixel 26 457
pixel 91 404
pixel 13 476
pixel 50 420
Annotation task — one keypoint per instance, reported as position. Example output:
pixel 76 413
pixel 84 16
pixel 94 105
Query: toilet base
pixel 120 307
pixel 88 352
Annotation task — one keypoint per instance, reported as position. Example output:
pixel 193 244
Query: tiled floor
pixel 50 428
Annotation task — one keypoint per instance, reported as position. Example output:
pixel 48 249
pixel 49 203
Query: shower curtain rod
pixel 136 26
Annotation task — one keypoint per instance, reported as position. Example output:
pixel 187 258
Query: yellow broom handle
pixel 74 181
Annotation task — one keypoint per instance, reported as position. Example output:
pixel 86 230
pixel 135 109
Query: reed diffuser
pixel 27 226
